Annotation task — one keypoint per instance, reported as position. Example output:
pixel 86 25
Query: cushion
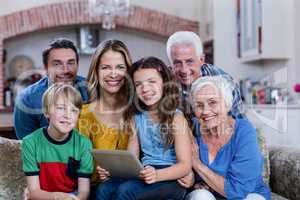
pixel 275 196
pixel 285 171
pixel 265 153
pixel 12 179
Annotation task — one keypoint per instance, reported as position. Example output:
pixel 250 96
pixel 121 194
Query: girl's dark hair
pixel 168 103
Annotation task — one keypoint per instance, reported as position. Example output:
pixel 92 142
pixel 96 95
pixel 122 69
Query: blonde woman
pixel 101 119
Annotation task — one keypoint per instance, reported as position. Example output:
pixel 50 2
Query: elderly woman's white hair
pixel 184 38
pixel 224 85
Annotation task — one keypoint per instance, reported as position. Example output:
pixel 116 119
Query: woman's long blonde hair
pixel 93 79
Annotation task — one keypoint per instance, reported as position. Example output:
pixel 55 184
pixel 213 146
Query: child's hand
pixel 201 185
pixel 148 174
pixel 187 181
pixel 72 197
pixel 103 173
pixel 26 194
pixel 64 196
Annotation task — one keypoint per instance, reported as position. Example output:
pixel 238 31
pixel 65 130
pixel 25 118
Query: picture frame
pixel 88 39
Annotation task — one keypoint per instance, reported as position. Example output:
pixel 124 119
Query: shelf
pixel 272 106
pixel 6 110
pixel 261 58
pixel 6 127
pixel 7 131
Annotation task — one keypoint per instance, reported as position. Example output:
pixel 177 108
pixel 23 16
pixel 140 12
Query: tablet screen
pixel 120 163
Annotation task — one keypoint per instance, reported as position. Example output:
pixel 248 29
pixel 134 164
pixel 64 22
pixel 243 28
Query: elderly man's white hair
pixel 184 38
pixel 225 87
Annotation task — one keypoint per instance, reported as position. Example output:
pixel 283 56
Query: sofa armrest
pixel 12 178
pixel 285 171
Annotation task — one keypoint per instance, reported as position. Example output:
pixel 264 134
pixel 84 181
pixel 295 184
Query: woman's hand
pixel 187 181
pixel 103 173
pixel 195 153
pixel 148 174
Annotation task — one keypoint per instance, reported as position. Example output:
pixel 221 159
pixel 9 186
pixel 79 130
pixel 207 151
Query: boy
pixel 56 159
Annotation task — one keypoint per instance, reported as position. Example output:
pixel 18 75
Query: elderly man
pixel 185 53
pixel 60 60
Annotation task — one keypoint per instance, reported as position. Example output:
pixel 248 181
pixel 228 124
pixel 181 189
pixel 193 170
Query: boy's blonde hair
pixel 60 90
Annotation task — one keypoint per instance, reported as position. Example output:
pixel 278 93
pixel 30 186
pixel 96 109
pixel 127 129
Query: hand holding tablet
pixel 119 163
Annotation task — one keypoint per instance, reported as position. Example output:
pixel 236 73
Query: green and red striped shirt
pixel 53 161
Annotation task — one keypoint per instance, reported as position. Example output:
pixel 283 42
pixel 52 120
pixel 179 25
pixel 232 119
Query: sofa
pixel 283 164
pixel 285 172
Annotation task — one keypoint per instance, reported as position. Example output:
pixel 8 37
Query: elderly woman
pixel 227 162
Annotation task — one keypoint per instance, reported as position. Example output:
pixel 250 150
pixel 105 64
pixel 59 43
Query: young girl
pixel 159 136
pixel 56 159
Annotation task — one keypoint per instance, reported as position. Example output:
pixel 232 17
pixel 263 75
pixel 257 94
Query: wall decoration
pixel 87 39
pixel 20 64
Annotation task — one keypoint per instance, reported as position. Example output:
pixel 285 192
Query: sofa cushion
pixel 275 196
pixel 285 171
pixel 12 179
pixel 265 153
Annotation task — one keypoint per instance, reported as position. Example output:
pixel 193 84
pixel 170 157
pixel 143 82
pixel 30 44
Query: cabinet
pixel 208 50
pixel 7 132
pixel 279 124
pixel 264 29
pixel 6 124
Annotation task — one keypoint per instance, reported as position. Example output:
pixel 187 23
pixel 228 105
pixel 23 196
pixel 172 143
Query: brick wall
pixel 75 13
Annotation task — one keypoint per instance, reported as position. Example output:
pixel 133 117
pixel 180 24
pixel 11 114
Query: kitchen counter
pixel 6 110
pixel 6 123
pixel 7 130
pixel 273 106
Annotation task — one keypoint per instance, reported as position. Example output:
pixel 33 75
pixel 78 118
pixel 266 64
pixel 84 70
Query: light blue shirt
pixel 151 143
pixel 239 161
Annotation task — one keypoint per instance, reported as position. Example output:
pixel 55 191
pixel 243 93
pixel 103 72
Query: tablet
pixel 119 163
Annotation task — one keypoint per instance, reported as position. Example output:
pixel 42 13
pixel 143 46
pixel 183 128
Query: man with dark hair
pixel 60 60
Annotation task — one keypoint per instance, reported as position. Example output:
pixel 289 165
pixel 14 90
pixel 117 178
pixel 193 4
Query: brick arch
pixel 75 13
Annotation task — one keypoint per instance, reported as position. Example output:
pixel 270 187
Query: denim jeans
pixel 124 189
